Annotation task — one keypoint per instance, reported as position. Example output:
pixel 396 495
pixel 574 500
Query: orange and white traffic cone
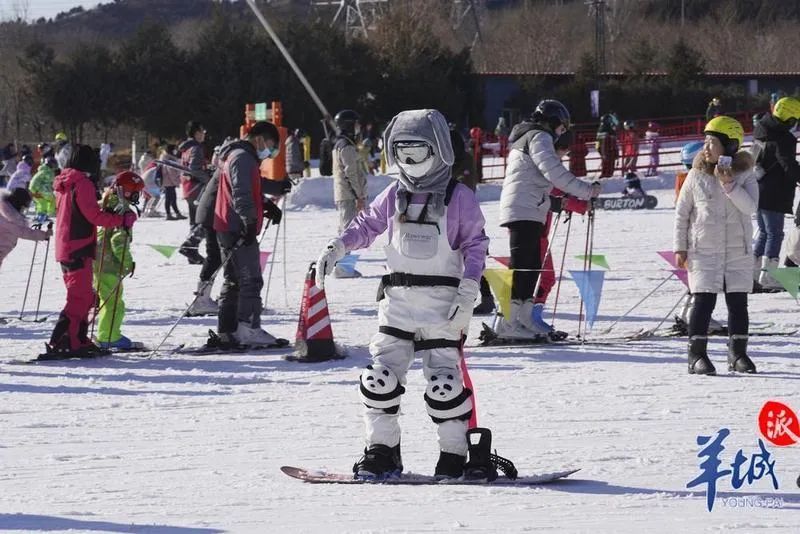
pixel 314 339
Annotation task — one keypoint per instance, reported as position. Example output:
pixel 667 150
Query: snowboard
pixel 414 479
pixel 646 202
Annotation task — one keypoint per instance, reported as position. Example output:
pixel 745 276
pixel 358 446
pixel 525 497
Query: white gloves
pixel 334 252
pixel 461 310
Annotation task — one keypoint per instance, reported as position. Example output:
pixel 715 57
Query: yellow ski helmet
pixel 728 130
pixel 61 136
pixel 787 109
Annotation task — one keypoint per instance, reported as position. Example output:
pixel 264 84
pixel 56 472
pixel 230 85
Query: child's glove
pixel 334 252
pixel 128 219
pixel 461 309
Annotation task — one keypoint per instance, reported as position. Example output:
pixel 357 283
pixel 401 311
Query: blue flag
pixel 590 285
pixel 348 263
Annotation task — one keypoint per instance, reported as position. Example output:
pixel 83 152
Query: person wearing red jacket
pixel 78 215
pixel 238 218
pixel 630 147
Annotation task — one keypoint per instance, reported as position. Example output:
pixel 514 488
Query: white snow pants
pixel 423 312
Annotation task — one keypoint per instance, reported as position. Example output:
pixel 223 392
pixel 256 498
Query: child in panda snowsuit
pixel 435 258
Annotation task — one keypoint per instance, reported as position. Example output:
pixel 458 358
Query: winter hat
pixel 430 126
pixel 20 198
pixel 84 158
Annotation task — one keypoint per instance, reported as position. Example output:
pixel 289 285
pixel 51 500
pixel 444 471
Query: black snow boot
pixel 449 466
pixel 191 254
pixel 738 360
pixel 699 364
pixel 379 463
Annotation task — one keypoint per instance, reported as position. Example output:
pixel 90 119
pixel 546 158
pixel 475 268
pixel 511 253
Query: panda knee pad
pixel 446 397
pixel 380 388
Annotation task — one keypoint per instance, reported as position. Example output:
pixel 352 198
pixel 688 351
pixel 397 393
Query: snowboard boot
pixel 480 465
pixel 254 337
pixel 203 304
pixel 514 326
pixel 379 463
pixel 738 360
pixel 765 279
pixel 449 466
pixel 699 364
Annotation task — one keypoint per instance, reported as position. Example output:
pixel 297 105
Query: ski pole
pixel 120 276
pixel 28 283
pixel 587 263
pixel 197 295
pixel 561 269
pixel 618 319
pixel 546 255
pixel 652 331
pixel 283 256
pixel 97 284
pixel 271 265
pixel 44 270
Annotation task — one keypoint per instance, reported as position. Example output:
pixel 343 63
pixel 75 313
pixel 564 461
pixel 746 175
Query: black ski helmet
pixel 552 113
pixel 346 121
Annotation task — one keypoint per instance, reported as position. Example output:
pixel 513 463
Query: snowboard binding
pixel 481 462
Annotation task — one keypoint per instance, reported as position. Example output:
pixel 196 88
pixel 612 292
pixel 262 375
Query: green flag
pixel 789 277
pixel 597 259
pixel 166 250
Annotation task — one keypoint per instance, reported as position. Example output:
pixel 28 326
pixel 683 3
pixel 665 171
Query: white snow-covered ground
pixel 193 444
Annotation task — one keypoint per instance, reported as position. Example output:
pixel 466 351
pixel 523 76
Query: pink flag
pixel 505 260
pixel 682 275
pixel 263 257
pixel 669 256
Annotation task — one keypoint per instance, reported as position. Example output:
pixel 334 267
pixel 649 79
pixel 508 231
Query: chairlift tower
pixel 357 16
pixel 463 9
pixel 597 8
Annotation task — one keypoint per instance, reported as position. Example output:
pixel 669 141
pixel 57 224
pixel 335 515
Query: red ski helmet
pixel 130 183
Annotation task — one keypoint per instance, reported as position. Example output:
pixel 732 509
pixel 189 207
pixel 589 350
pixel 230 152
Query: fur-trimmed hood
pixel 742 162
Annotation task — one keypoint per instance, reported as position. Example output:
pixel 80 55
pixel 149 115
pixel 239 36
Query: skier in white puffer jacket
pixel 435 256
pixel 534 168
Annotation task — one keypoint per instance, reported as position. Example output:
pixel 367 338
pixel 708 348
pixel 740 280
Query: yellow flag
pixel 500 282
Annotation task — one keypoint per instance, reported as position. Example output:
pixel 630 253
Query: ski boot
pixel 203 304
pixel 699 363
pixel 738 360
pixel 765 279
pixel 254 337
pixel 485 307
pixel 222 342
pixel 191 255
pixel 520 325
pixel 122 344
pixel 379 462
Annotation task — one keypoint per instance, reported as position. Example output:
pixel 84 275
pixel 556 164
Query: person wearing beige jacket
pixel 712 239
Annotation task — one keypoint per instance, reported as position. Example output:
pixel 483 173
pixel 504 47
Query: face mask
pixel 416 170
pixel 268 153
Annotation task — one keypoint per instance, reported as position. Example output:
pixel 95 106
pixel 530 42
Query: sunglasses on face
pixel 412 152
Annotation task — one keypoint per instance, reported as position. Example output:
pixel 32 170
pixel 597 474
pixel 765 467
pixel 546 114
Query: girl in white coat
pixel 713 231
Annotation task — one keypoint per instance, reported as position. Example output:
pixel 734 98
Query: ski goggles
pixel 412 152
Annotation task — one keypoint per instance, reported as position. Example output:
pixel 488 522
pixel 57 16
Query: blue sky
pixel 40 8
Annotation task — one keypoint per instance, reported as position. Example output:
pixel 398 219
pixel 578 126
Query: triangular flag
pixel 789 277
pixel 263 257
pixel 590 285
pixel 597 259
pixel 682 275
pixel 348 263
pixel 505 260
pixel 166 250
pixel 500 283
pixel 669 257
